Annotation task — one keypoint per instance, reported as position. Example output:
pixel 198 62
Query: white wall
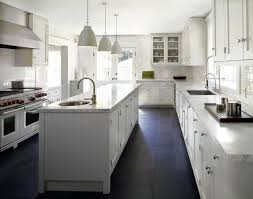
pixel 142 43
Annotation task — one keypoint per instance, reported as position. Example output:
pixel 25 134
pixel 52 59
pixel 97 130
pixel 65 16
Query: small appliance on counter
pixel 17 84
pixel 228 111
pixel 148 74
pixel 179 77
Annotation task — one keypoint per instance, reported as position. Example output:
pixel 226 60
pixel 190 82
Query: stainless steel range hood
pixel 14 32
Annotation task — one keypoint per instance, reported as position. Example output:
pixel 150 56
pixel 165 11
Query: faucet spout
pixel 206 79
pixel 93 97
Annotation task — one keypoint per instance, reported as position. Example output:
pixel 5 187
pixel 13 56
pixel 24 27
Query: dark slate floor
pixel 154 165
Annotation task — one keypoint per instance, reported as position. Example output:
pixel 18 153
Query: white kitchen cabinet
pixel 220 22
pixel 248 28
pixel 191 133
pixel 122 125
pixel 114 137
pixel 128 117
pixel 195 42
pixel 233 30
pixel 198 154
pixel 35 57
pixel 156 93
pixel 166 49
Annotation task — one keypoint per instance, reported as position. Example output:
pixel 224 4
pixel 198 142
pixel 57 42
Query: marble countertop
pixel 236 139
pixel 154 80
pixel 108 98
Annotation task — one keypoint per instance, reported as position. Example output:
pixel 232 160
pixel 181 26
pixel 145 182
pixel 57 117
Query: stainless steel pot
pixel 17 84
pixel 234 108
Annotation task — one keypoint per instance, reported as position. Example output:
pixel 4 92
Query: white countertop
pixel 108 98
pixel 154 80
pixel 236 139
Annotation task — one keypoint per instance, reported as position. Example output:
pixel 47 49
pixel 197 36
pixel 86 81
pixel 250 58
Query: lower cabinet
pixel 156 93
pixel 122 122
pixel 217 174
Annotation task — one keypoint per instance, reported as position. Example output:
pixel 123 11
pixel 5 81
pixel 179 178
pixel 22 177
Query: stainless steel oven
pixel 9 126
pixel 30 118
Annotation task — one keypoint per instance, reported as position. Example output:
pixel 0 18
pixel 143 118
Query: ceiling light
pixel 105 43
pixel 87 37
pixel 116 49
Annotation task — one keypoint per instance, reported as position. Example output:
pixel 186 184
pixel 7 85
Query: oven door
pixel 30 118
pixel 9 126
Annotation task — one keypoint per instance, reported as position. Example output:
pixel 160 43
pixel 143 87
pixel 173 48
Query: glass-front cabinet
pixel 166 49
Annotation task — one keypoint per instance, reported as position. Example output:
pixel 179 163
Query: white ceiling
pixel 135 16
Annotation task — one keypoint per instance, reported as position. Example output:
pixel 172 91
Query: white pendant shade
pixel 116 49
pixel 105 44
pixel 87 37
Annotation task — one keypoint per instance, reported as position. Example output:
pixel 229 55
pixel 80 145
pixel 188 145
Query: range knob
pixel 21 101
pixel 3 103
pixel 32 99
pixel 38 95
pixel 44 94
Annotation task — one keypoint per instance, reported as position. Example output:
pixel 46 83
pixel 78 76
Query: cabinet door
pixel 128 117
pixel 144 95
pixel 133 113
pixel 234 29
pixel 198 155
pixel 166 96
pixel 122 125
pixel 248 28
pixel 136 104
pixel 191 134
pixel 39 26
pixel 207 169
pixel 220 48
pixel 114 137
pixel 154 96
pixel 218 171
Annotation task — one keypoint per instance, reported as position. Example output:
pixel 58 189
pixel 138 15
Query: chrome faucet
pixel 93 97
pixel 206 80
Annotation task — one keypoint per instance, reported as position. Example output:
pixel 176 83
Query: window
pixel 104 66
pixel 229 77
pixel 54 66
pixel 247 79
pixel 126 64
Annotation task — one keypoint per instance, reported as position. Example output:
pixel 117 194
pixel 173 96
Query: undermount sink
pixel 200 92
pixel 74 103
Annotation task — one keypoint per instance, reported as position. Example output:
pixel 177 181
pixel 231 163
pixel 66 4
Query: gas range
pixel 16 98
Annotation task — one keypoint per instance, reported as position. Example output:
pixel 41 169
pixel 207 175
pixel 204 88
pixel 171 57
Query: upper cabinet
pixel 35 57
pixel 39 26
pixel 195 42
pixel 166 49
pixel 233 30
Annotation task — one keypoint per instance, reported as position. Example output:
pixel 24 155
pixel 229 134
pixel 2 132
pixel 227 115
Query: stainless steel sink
pixel 74 103
pixel 200 92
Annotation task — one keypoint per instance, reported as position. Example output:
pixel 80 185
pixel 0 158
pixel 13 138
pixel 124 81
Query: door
pixel 128 117
pixel 234 29
pixel 248 29
pixel 191 133
pixel 220 48
pixel 144 96
pixel 122 125
pixel 9 126
pixel 207 169
pixel 114 137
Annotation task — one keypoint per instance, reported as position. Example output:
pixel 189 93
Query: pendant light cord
pixel 87 12
pixel 116 15
pixel 105 19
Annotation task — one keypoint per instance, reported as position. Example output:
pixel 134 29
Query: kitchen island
pixel 79 146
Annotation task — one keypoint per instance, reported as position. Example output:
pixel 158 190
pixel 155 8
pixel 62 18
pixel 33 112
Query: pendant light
pixel 87 37
pixel 105 43
pixel 116 49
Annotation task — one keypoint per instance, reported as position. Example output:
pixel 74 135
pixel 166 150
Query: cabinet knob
pixel 215 157
pixel 202 134
pixel 239 40
pixel 195 132
pixel 244 39
pixel 195 120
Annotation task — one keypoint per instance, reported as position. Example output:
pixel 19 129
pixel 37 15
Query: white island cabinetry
pixel 80 146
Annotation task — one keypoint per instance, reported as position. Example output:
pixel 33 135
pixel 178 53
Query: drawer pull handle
pixel 215 157
pixel 202 134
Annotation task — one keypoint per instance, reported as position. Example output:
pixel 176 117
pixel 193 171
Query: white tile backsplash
pixel 9 72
